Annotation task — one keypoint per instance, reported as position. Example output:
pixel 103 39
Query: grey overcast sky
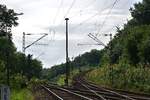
pixel 47 16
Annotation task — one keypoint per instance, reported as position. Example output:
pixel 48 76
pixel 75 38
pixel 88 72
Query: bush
pixel 18 81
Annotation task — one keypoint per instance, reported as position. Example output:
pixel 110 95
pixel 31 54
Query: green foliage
pixel 125 77
pixel 2 72
pixel 23 94
pixel 59 80
pixel 18 81
pixel 132 50
pixel 88 59
pixel 131 44
pixel 145 51
pixel 8 18
pixel 141 13
pixel 21 68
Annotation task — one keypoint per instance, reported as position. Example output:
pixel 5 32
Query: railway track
pixel 109 94
pixel 83 90
pixel 104 93
pixel 105 96
pixel 59 93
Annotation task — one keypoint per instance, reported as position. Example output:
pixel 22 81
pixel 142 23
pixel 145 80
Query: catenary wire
pixel 99 13
pixel 105 19
pixel 57 12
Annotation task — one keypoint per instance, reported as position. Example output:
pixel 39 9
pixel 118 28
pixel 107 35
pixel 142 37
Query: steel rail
pixel 53 93
pixel 80 80
pixel 70 92
pixel 107 90
pixel 92 91
pixel 107 96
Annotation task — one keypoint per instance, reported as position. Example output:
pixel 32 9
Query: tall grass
pixel 125 77
pixel 22 94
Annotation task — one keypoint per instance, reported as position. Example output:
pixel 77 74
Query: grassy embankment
pixel 22 94
pixel 126 77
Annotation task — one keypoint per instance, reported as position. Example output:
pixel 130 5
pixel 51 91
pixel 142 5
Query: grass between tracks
pixel 22 94
pixel 126 77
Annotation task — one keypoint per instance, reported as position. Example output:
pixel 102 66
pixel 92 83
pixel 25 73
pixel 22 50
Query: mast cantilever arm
pixel 88 44
pixel 96 39
pixel 36 41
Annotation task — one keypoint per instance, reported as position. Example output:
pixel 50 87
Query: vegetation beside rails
pixel 123 76
pixel 21 94
pixel 28 92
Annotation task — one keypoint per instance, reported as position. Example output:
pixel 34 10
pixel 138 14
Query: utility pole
pixel 23 43
pixel 67 59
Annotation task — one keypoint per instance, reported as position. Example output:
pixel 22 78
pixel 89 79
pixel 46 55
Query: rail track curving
pixel 83 90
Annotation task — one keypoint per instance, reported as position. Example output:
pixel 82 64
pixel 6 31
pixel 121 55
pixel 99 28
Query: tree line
pixel 132 43
pixel 16 69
